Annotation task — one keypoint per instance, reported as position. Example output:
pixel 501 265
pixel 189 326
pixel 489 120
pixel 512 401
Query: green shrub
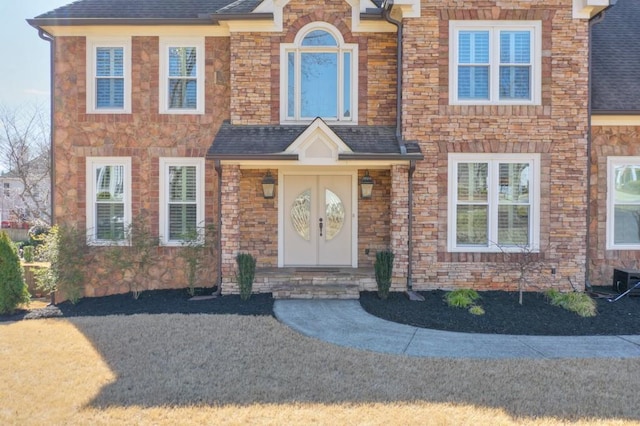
pixel 246 273
pixel 384 272
pixel 461 298
pixel 575 301
pixel 28 253
pixel 13 290
pixel 476 310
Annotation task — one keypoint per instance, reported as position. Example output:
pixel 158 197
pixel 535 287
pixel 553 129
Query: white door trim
pixel 319 171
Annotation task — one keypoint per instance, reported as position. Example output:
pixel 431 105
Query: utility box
pixel 624 279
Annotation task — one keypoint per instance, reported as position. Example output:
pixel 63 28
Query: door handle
pixel 321 224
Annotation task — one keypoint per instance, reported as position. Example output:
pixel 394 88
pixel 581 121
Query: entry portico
pixel 318 229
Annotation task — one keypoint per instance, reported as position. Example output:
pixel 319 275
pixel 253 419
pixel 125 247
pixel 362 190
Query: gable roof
pixel 616 60
pixel 243 142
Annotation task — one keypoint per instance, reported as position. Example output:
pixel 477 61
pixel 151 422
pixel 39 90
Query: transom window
pixel 623 206
pixel 182 76
pixel 108 199
pixel 495 62
pixel 108 75
pixel 319 77
pixel 493 202
pixel 182 199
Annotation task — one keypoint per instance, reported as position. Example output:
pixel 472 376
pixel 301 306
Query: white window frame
pixel 342 48
pixel 165 163
pixel 612 162
pixel 494 28
pixel 92 163
pixel 493 200
pixel 165 44
pixel 93 43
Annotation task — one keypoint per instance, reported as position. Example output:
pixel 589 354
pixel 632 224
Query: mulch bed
pixel 503 314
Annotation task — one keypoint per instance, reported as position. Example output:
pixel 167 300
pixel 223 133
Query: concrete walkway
pixel 345 323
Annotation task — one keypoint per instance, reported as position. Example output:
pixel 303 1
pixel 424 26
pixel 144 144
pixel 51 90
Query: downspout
pixel 218 291
pixel 592 22
pixel 49 38
pixel 387 6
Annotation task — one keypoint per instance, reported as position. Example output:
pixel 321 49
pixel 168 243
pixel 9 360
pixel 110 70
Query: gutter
pixel 387 7
pixel 218 291
pixel 613 112
pixel 200 20
pixel 260 157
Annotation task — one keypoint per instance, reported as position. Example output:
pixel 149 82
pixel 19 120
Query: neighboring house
pixel 471 118
pixel 25 194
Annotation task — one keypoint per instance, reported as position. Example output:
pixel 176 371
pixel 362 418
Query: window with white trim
pixel 495 62
pixel 108 199
pixel 109 75
pixel 494 202
pixel 319 76
pixel 623 203
pixel 181 199
pixel 182 76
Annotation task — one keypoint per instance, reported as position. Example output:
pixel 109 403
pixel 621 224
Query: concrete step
pixel 316 291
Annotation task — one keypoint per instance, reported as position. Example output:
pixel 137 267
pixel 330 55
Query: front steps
pixel 316 291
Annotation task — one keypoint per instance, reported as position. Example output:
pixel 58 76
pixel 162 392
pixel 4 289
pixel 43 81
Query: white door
pixel 317 220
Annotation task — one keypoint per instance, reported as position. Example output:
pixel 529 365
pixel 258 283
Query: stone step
pixel 316 291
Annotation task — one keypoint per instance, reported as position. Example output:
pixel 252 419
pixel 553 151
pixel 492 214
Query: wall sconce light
pixel 268 185
pixel 366 185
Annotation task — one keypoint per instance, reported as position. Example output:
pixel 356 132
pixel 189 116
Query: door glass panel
pixel 334 214
pixel 301 214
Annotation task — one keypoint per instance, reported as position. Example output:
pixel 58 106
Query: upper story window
pixel 108 199
pixel 495 62
pixel 319 76
pixel 494 202
pixel 182 76
pixel 623 206
pixel 108 75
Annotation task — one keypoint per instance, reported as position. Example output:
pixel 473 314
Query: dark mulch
pixel 503 314
pixel 151 302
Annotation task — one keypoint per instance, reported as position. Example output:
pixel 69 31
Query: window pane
pixel 473 82
pixel 515 82
pixel 473 47
pixel 319 85
pixel 182 62
pixel 515 47
pixel 346 89
pixel 291 81
pixel 626 224
pixel 110 183
pixel 109 62
pixel 183 93
pixel 627 184
pixel 472 181
pixel 182 183
pixel 182 220
pixel 471 225
pixel 513 225
pixel 319 38
pixel 109 221
pixel 109 93
pixel 514 183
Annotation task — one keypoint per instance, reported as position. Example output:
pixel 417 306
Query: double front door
pixel 317 217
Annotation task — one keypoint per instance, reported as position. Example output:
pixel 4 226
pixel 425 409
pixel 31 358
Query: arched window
pixel 319 76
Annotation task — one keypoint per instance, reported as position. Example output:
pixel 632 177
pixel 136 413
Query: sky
pixel 24 80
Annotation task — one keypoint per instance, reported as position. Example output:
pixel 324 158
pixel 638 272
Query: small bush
pixel 461 298
pixel 577 302
pixel 246 273
pixel 28 253
pixel 13 290
pixel 476 310
pixel 384 272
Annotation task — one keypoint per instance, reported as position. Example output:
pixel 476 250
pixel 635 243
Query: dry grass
pixel 225 369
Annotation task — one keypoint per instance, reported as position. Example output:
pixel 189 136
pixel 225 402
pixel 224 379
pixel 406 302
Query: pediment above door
pixel 318 145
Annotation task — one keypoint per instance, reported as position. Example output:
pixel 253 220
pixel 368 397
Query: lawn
pixel 233 369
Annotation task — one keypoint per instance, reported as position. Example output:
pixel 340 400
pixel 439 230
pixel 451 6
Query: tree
pixel 25 155
pixel 13 291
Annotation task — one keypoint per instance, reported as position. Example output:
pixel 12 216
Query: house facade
pixel 471 119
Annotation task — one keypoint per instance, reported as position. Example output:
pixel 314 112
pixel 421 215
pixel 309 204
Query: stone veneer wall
pixel 144 135
pixel 374 218
pixel 557 129
pixel 607 142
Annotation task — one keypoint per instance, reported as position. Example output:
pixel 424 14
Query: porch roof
pixel 266 142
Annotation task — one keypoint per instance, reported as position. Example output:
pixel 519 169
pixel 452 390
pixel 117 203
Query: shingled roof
pixel 616 60
pixel 234 141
